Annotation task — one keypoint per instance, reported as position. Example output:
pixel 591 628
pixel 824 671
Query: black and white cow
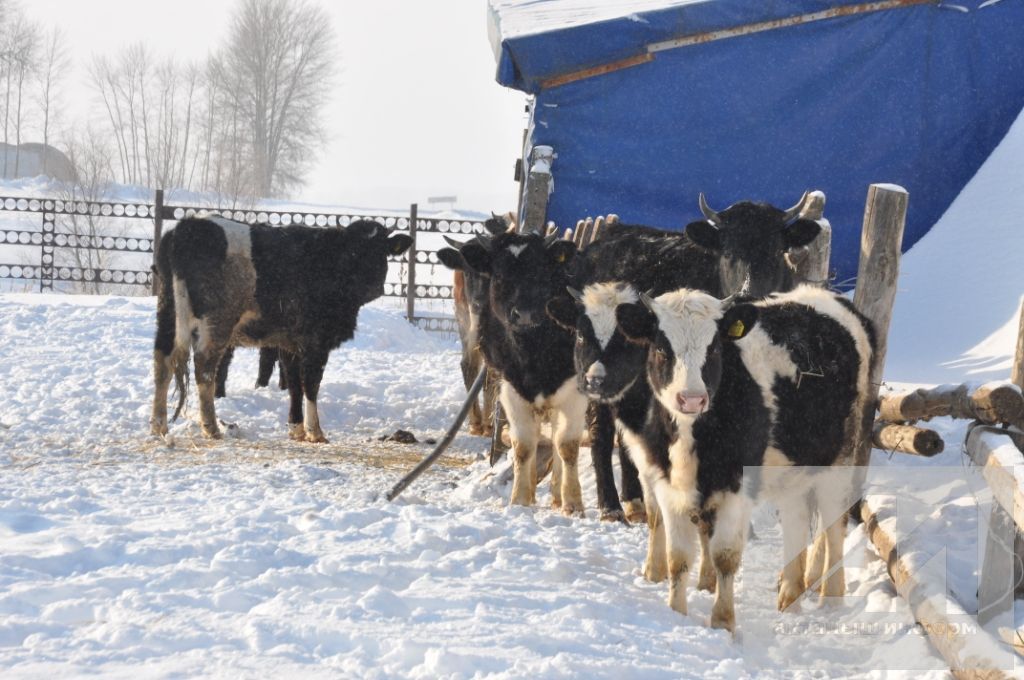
pixel 771 383
pixel 533 356
pixel 745 247
pixel 222 283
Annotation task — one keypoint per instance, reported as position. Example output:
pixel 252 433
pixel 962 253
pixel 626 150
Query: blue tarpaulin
pixel 832 96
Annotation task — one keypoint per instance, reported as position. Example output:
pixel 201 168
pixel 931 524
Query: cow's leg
pixel 268 357
pixel 656 564
pixel 556 480
pixel 312 373
pixel 572 418
pixel 292 368
pixel 632 494
pixel 492 381
pixel 833 507
pixel 680 539
pixel 166 356
pixel 210 345
pixel 814 568
pixel 706 580
pixel 796 524
pixel 728 536
pixel 470 365
pixel 222 372
pixel 524 429
pixel 602 442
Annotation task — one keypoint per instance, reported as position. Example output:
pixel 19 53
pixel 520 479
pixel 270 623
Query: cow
pixel 470 293
pixel 533 355
pixel 749 246
pixel 296 288
pixel 770 383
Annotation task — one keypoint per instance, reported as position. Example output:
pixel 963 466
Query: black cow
pixel 746 246
pixel 770 383
pixel 296 288
pixel 533 356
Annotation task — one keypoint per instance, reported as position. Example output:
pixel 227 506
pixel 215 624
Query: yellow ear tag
pixel 737 329
pixel 561 258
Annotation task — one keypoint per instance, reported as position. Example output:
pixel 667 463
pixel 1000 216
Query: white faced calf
pixel 776 382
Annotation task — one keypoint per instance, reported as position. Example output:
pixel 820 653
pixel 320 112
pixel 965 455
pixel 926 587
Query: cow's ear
pixel 801 233
pixel 451 258
pixel 477 257
pixel 564 311
pixel 399 243
pixel 704 234
pixel 738 321
pixel 636 322
pixel 562 251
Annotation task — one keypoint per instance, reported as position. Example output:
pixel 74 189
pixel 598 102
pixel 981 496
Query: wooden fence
pixel 98 246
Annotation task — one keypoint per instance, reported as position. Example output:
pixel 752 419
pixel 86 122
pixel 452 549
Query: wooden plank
pixel 906 439
pixel 982 442
pixel 1017 374
pixel 603 69
pixel 538 190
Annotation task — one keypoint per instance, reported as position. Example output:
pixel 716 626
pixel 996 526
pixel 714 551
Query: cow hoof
pixel 636 511
pixel 707 583
pixel 655 573
pixel 316 438
pixel 788 595
pixel 477 431
pixel 613 516
pixel 723 621
pixel 297 433
pixel 212 433
pixel 556 503
pixel 158 430
pixel 572 509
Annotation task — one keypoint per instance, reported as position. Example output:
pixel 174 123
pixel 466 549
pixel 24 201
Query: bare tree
pixel 275 70
pixel 18 43
pixel 53 69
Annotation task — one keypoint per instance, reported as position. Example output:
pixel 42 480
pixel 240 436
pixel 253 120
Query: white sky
pixel 416 111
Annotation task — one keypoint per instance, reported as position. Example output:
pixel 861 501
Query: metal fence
pixel 97 246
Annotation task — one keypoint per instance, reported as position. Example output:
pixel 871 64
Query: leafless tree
pixel 275 71
pixel 53 69
pixel 18 45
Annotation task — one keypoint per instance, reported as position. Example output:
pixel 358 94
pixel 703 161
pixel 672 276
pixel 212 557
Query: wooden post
pixel 158 231
pixel 1017 375
pixel 410 290
pixel 884 218
pixel 813 266
pixel 538 189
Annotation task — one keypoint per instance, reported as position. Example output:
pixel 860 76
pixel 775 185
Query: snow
pixel 518 18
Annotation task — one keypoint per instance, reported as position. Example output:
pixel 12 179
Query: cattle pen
pixel 73 244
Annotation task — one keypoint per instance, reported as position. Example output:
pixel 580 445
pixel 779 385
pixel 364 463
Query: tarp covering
pixel 915 95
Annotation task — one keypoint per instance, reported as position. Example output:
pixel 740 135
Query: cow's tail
pixel 173 327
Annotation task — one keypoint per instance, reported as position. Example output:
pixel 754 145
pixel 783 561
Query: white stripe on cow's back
pixel 599 303
pixel 765 360
pixel 239 235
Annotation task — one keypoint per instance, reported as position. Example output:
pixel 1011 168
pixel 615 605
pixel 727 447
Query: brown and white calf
pixel 771 384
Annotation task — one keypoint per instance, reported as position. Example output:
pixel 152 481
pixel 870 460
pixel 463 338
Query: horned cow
pixel 296 288
pixel 768 383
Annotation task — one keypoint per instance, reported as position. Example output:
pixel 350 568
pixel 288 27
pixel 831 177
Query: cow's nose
pixel 692 403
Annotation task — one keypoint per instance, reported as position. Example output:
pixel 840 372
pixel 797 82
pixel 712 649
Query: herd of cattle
pixel 697 347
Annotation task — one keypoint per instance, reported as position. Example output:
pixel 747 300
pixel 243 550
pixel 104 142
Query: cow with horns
pixel 520 274
pixel 748 247
pixel 297 288
pixel 763 384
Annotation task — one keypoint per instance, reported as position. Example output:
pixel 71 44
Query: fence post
pixel 158 230
pixel 410 290
pixel 813 268
pixel 538 189
pixel 46 258
pixel 1017 374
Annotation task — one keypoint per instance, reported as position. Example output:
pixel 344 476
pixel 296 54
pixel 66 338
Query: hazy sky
pixel 415 111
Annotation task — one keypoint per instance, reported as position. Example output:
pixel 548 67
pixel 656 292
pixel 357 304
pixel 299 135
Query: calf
pixel 532 355
pixel 745 247
pixel 776 382
pixel 296 288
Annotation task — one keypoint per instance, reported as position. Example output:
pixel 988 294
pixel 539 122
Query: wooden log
pixel 158 230
pixel 538 190
pixel 906 439
pixel 812 266
pixel 994 402
pixel 1017 374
